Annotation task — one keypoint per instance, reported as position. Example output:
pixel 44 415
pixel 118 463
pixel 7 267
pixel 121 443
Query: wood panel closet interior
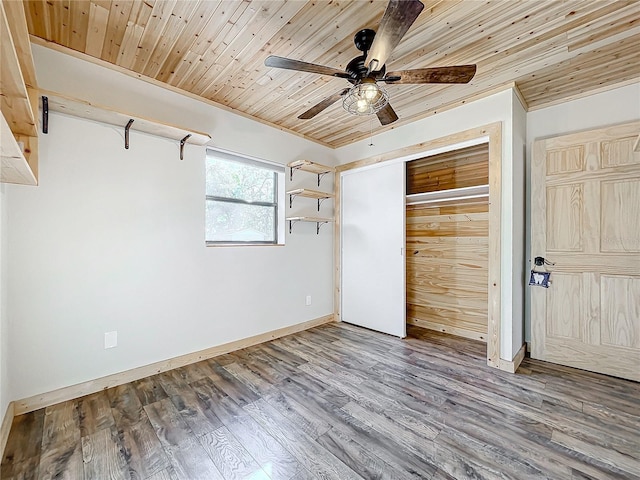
pixel 447 233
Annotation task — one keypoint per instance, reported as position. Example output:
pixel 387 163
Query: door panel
pixel 585 218
pixel 620 219
pixel 372 238
pixel 620 297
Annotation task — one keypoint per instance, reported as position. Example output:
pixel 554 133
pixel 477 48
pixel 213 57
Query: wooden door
pixel 585 218
pixel 372 242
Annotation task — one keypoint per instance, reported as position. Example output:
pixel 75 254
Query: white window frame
pixel 279 195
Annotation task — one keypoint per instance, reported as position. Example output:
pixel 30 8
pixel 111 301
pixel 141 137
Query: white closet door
pixel 373 241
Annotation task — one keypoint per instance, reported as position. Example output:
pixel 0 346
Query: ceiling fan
pixel 366 97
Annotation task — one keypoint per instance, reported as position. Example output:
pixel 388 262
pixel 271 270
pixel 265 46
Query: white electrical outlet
pixel 110 339
pixel 308 300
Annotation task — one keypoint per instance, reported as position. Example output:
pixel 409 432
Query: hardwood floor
pixel 340 402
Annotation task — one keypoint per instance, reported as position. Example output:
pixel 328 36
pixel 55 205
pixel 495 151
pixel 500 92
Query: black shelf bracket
pixel 320 175
pixel 293 195
pixel 126 133
pixel 291 169
pixel 320 200
pixel 318 225
pixel 182 142
pixel 45 115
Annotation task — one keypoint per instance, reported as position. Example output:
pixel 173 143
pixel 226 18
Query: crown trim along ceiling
pixel 551 50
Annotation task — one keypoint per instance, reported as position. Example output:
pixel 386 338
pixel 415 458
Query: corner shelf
pixel 311 167
pixel 305 192
pixel 317 220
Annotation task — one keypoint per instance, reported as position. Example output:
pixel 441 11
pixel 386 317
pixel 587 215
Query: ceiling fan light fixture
pixel 365 98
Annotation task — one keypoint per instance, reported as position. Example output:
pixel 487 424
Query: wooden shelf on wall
pixel 99 113
pixel 307 193
pixel 14 167
pixel 19 98
pixel 16 104
pixel 311 167
pixel 317 220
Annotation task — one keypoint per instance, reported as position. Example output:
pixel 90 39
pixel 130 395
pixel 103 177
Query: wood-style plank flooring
pixel 340 402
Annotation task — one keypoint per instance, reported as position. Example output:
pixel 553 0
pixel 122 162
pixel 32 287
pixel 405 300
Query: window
pixel 243 202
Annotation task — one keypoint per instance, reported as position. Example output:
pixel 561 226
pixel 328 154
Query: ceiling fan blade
pixel 397 19
pixel 455 74
pixel 387 115
pixel 327 102
pixel 289 64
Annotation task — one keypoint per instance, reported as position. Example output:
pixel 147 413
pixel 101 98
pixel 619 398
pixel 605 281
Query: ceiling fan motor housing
pixel 364 39
pixel 356 67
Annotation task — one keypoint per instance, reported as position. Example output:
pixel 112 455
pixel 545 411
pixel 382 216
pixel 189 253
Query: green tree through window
pixel 241 199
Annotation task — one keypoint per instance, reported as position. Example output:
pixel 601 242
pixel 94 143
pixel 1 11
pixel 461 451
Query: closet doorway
pixel 490 135
pixel 447 242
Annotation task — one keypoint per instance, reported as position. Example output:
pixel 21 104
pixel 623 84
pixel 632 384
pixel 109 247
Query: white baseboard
pixel 92 386
pixel 7 420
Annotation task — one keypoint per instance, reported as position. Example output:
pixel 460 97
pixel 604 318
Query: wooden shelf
pixel 454 194
pixel 320 171
pixel 99 113
pixel 307 193
pixel 317 220
pixel 309 166
pixel 19 99
pixel 14 167
pixel 16 99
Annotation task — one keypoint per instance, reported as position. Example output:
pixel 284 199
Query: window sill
pixel 244 245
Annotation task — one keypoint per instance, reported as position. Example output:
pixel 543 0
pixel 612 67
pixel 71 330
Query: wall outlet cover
pixel 308 300
pixel 110 339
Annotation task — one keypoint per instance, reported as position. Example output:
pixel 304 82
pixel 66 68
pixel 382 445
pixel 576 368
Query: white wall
pixel 619 105
pixel 5 393
pixel 113 239
pixel 500 107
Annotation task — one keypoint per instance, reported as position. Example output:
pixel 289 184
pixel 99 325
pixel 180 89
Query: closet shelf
pixel 440 196
pixel 91 111
pixel 309 166
pixel 305 192
pixel 317 220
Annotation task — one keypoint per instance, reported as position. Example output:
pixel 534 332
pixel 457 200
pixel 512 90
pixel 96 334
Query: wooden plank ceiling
pixel 553 50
